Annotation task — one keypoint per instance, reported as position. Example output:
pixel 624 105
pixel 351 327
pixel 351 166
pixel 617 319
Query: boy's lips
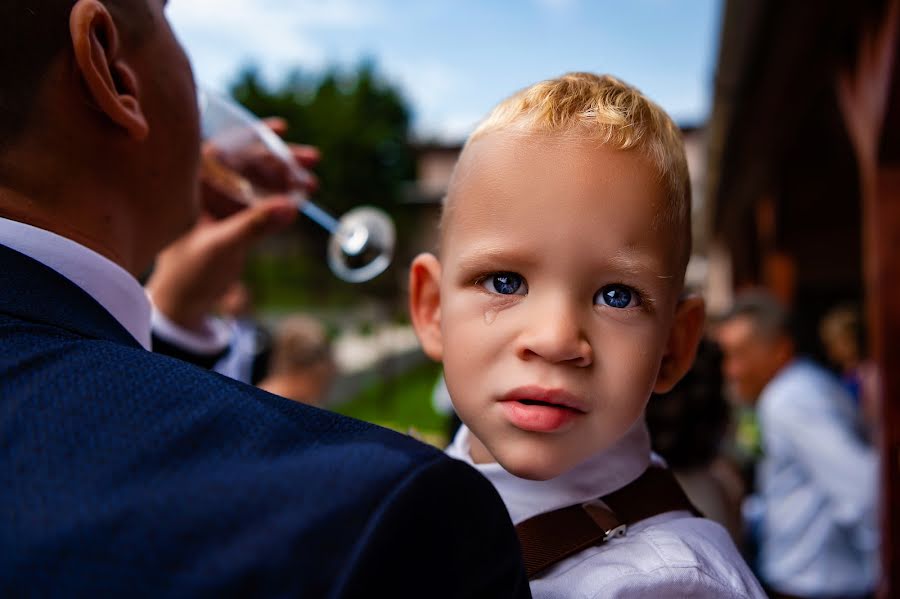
pixel 543 410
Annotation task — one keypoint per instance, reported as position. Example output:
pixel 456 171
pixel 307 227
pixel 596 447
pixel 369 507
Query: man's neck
pixel 84 222
pixel 786 360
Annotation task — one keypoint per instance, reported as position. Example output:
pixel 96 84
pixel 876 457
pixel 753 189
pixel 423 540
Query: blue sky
pixel 454 59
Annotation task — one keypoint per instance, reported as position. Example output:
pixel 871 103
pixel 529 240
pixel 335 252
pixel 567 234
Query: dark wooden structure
pixel 798 203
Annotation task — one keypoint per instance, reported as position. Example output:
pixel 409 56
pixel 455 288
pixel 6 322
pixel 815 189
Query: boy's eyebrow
pixel 479 256
pixel 629 260
pixel 633 261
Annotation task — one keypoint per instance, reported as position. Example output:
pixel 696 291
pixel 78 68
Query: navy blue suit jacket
pixel 124 472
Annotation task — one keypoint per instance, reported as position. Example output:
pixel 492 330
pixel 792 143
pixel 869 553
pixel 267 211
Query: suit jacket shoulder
pixel 127 472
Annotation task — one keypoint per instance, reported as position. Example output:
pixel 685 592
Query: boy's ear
pixel 681 348
pixel 425 303
pixel 109 80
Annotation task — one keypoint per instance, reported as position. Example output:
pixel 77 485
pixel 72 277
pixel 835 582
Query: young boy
pixel 556 308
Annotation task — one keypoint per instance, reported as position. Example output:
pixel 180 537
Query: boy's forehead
pixel 506 158
pixel 509 185
pixel 505 172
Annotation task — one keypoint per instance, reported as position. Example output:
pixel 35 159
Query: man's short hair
pixel 301 342
pixel 618 116
pixel 770 318
pixel 32 34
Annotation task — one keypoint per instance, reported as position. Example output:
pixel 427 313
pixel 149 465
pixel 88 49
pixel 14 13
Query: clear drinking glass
pixel 362 241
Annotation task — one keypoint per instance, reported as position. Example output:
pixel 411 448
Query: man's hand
pixel 233 178
pixel 192 273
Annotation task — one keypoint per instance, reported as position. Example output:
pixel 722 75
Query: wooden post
pixel 868 96
pixel 882 256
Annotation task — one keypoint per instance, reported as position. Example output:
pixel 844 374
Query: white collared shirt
pixel 669 555
pixel 818 481
pixel 110 285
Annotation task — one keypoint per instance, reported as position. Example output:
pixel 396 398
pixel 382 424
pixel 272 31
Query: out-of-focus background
pixel 388 91
pixel 784 198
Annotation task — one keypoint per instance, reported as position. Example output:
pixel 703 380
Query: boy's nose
pixel 554 334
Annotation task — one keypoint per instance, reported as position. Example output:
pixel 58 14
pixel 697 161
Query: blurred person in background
pixel 843 336
pixel 687 428
pixel 817 477
pixel 841 333
pixel 228 339
pixel 302 363
pixel 250 349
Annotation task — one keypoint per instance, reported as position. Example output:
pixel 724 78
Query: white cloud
pixel 307 14
pixel 427 83
pixel 434 89
pixel 450 128
pixel 223 35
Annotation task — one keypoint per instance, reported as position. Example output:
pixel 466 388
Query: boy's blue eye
pixel 617 296
pixel 505 283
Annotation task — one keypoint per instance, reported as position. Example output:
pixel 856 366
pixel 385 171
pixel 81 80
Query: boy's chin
pixel 532 466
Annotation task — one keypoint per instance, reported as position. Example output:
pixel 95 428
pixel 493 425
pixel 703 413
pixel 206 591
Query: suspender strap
pixel 553 536
pixel 654 492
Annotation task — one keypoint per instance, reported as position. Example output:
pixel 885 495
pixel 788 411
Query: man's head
pixel 99 133
pixel 756 343
pixel 556 303
pixel 302 363
pixel 33 34
pixel 843 336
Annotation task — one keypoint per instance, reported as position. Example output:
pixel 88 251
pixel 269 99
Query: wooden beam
pixel 867 93
pixel 886 211
pixel 883 303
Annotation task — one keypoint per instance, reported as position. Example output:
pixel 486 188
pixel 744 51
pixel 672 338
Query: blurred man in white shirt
pixel 817 478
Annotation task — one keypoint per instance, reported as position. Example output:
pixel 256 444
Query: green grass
pixel 401 403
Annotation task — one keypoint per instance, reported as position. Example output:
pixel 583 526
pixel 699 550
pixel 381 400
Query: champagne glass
pixel 362 241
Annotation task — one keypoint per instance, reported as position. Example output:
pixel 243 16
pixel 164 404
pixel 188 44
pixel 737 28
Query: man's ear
pixel 425 303
pixel 681 348
pixel 109 80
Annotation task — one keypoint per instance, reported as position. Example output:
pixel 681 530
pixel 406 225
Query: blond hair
pixel 617 115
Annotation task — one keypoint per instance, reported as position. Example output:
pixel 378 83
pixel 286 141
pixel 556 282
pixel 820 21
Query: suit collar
pixel 107 282
pixel 31 291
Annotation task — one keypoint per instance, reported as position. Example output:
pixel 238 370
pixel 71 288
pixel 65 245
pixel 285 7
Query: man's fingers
pixel 276 124
pixel 305 155
pixel 249 225
pixel 259 166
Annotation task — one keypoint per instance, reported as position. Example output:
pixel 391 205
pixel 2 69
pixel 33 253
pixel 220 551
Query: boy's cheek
pixel 474 312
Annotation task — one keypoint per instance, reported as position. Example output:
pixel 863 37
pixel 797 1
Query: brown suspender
pixel 553 536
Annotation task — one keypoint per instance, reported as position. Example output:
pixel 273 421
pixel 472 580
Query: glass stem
pixel 314 213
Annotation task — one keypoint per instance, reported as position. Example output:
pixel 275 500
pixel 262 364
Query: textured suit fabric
pixel 124 472
pixel 167 348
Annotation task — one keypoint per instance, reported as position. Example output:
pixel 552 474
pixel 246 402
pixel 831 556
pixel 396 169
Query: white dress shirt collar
pixel 108 283
pixel 600 474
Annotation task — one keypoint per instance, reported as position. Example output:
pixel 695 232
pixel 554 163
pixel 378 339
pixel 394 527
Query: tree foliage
pixel 361 125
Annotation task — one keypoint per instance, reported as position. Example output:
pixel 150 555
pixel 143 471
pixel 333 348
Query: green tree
pixel 361 125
